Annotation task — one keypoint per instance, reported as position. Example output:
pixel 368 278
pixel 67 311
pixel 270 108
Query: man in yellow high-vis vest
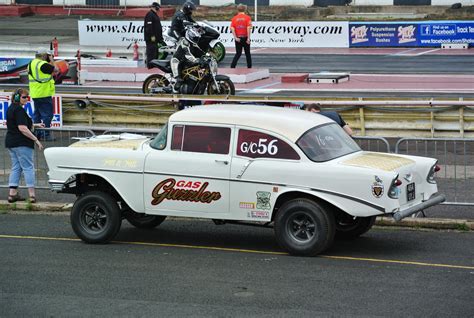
pixel 42 89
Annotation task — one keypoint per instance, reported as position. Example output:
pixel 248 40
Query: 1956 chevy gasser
pixel 295 171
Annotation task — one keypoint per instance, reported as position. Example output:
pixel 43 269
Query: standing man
pixel 42 89
pixel 315 108
pixel 153 33
pixel 241 27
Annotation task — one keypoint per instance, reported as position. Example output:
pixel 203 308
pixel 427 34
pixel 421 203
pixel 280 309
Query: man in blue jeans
pixel 42 89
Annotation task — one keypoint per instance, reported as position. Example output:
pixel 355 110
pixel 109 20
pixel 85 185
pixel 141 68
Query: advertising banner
pixel 30 108
pixel 411 34
pixel 264 34
pixel 11 65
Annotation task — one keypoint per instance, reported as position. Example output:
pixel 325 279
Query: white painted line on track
pixel 402 53
pixel 426 52
pixel 257 91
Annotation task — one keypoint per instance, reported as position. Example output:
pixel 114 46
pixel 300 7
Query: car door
pixel 262 164
pixel 190 177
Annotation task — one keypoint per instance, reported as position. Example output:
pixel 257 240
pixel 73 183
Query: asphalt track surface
pixel 197 269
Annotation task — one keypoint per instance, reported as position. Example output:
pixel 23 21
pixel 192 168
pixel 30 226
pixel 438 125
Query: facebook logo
pixel 425 29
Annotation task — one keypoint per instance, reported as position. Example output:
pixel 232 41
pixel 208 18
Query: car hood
pixel 129 141
pixel 381 161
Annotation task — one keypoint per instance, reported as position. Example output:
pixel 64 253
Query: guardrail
pixel 115 5
pixel 425 118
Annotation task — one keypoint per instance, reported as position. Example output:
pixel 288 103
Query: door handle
pixel 222 161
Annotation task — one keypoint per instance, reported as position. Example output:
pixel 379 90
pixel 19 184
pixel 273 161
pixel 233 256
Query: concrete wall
pixel 410 2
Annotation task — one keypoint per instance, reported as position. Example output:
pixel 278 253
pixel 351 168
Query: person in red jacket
pixel 241 27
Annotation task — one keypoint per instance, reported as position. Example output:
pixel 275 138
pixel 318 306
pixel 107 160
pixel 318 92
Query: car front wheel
pixel 304 227
pixel 95 217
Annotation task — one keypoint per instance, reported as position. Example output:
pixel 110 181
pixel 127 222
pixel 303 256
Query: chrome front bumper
pixel 434 200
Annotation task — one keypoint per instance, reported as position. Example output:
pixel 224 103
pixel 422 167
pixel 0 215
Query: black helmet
pixel 189 7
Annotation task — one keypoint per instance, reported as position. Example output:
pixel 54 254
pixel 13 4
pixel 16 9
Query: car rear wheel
pixel 95 217
pixel 144 221
pixel 304 227
pixel 348 227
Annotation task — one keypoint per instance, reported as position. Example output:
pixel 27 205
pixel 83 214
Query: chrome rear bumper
pixel 434 200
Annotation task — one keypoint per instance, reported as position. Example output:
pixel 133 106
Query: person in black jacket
pixel 153 33
pixel 177 29
pixel 20 143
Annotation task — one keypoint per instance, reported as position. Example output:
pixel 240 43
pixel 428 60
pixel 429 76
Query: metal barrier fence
pixel 115 5
pixel 377 144
pixel 456 158
pixel 455 155
pixel 61 138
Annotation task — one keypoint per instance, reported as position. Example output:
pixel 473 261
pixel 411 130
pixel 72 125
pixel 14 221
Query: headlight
pixel 431 175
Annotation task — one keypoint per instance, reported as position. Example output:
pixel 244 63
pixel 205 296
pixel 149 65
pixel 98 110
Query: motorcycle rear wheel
pixel 226 87
pixel 154 81
pixel 218 51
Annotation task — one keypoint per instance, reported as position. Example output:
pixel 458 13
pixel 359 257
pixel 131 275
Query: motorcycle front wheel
pixel 153 82
pixel 226 87
pixel 218 51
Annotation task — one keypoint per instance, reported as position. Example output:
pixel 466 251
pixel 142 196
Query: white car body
pixel 244 178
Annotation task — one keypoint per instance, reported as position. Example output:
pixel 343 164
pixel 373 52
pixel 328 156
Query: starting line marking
pixel 348 258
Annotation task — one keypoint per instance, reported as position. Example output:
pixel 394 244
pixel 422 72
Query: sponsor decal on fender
pixel 377 187
pixel 263 200
pixel 258 214
pixel 247 205
pixel 169 189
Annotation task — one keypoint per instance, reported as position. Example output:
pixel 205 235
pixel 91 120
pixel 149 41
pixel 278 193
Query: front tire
pixel 218 51
pixel 348 228
pixel 153 82
pixel 226 87
pixel 304 227
pixel 96 217
pixel 143 221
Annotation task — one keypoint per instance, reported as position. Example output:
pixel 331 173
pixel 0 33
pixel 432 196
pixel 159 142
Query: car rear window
pixel 326 142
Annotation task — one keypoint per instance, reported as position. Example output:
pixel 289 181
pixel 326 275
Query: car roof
pixel 287 122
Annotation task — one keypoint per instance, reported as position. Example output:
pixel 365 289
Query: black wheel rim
pixel 93 219
pixel 301 227
pixel 155 83
pixel 224 88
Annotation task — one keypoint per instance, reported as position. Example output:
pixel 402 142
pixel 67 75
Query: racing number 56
pixel 261 148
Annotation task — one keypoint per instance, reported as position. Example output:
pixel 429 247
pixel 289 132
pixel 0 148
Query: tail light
pixel 431 175
pixel 394 191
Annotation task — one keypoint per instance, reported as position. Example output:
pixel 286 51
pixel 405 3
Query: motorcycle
pixel 197 79
pixel 209 41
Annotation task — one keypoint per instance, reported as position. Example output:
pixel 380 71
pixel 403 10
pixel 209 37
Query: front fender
pixel 222 77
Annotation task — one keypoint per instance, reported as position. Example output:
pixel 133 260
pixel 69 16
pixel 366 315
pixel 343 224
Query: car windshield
pixel 326 142
pixel 160 140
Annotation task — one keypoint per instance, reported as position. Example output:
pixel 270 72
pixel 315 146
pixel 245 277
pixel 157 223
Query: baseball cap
pixel 44 51
pixel 155 5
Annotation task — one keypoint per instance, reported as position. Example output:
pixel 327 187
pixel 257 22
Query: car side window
pixel 256 144
pixel 203 139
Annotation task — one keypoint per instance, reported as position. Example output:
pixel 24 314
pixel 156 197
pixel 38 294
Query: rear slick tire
pixel 304 227
pixel 348 228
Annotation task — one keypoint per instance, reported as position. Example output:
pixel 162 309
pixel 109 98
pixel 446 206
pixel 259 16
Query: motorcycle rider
pixel 188 52
pixel 178 29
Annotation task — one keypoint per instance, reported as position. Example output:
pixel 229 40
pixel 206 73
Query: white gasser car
pixel 295 171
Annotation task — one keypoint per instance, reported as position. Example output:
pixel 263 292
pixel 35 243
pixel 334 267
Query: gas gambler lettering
pixel 182 190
